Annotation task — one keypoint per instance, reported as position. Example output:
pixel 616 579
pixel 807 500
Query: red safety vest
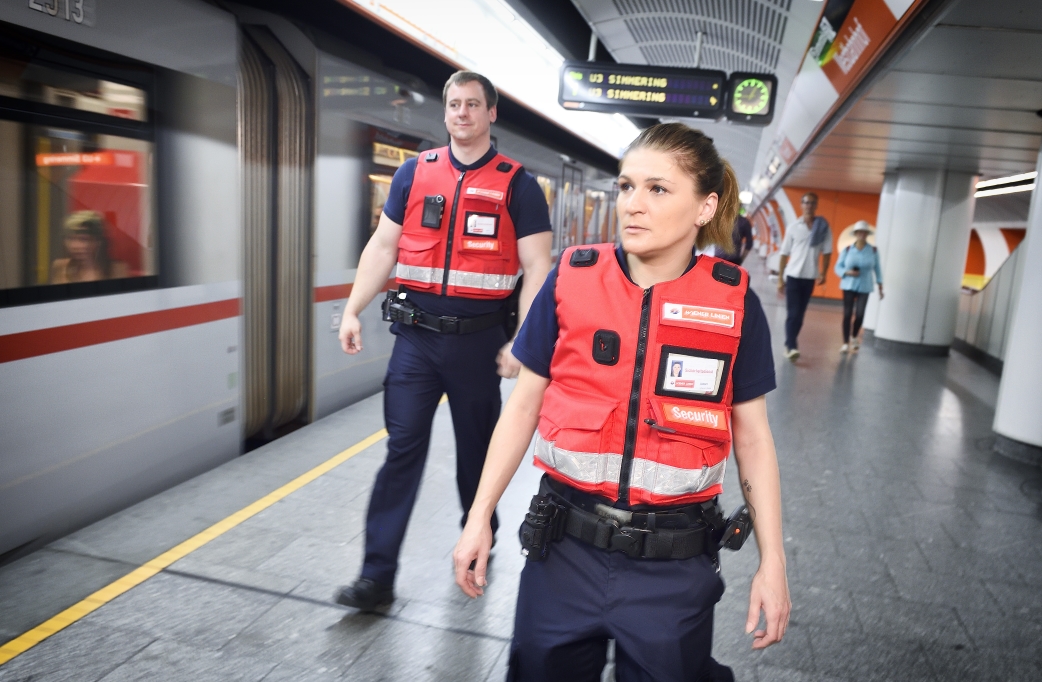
pixel 458 238
pixel 639 403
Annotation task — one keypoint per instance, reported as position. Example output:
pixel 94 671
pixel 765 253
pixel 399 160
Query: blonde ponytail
pixel 719 230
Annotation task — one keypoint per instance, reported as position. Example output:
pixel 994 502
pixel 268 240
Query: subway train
pixel 185 189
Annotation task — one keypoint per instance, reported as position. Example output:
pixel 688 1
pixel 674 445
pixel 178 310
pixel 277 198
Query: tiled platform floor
pixel 914 552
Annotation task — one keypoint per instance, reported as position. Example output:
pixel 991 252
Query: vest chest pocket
pixel 577 421
pixel 418 251
pixel 688 436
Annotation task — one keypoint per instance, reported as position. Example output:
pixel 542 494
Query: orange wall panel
pixel 1013 235
pixel 975 256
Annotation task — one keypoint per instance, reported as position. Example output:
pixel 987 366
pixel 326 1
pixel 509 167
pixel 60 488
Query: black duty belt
pixel 676 533
pixel 396 308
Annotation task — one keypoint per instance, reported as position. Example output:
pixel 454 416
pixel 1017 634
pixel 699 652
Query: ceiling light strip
pixel 1007 180
pixel 1004 190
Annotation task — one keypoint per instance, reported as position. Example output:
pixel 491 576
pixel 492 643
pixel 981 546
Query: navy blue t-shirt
pixel 752 374
pixel 527 209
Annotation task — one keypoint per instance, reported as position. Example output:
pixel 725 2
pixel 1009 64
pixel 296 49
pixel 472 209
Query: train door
pixel 276 141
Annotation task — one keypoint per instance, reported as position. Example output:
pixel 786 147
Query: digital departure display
pixel 642 90
pixel 751 97
pixel 656 91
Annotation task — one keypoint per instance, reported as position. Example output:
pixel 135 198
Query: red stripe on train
pixel 67 337
pixel 336 292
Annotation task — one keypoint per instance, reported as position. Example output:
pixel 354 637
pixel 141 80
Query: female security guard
pixel 634 456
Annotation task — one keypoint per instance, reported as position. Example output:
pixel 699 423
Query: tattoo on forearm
pixel 748 486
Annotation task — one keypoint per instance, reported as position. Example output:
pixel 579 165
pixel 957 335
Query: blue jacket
pixel 866 260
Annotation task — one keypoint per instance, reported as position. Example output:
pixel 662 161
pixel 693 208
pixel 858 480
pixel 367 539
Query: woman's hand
pixel 880 292
pixel 473 549
pixel 769 592
pixel 510 440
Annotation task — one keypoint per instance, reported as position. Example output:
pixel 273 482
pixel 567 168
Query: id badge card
pixel 692 374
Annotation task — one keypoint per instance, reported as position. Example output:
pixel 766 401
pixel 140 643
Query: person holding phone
pixel 857 265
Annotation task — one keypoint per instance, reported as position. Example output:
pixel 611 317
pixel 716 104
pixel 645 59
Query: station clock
pixel 751 98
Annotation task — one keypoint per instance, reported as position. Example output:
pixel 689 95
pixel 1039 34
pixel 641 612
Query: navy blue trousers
pixel 660 614
pixel 798 291
pixel 423 366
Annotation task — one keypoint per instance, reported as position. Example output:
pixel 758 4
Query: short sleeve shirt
pixel 803 257
pixel 527 208
pixel 753 372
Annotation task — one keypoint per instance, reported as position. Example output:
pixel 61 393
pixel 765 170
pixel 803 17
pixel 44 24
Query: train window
pixel 77 197
pixel 75 207
pixel 596 218
pixel 572 207
pixel 391 156
pixel 549 188
pixel 40 83
pixel 380 187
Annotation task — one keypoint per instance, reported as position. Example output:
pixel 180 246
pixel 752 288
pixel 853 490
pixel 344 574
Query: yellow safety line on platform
pixel 28 640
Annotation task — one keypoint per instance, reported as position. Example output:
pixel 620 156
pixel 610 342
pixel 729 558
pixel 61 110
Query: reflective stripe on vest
pixel 473 280
pixel 594 468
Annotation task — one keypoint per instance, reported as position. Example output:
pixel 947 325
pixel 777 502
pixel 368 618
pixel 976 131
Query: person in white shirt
pixel 806 240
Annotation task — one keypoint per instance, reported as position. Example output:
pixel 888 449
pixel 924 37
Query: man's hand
pixel 770 592
pixel 821 279
pixel 509 366
pixel 781 284
pixel 350 334
pixel 473 546
pixel 880 292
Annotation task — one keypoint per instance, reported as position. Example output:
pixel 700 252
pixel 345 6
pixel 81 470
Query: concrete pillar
pixel 882 240
pixel 926 243
pixel 1018 412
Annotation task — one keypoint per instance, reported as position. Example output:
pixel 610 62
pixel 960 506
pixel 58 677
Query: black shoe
pixel 365 595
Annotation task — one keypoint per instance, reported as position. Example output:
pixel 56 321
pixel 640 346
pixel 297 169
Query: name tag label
pixel 717 317
pixel 695 416
pixel 493 194
pixel 488 245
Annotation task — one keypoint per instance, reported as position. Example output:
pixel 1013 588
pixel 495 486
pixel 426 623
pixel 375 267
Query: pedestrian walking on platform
pixel 857 265
pixel 633 412
pixel 806 240
pixel 460 223
pixel 742 236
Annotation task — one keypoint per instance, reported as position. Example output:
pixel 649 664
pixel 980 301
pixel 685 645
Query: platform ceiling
pixel 738 35
pixel 966 97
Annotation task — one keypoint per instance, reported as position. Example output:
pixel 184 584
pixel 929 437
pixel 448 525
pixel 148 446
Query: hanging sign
pixel 642 90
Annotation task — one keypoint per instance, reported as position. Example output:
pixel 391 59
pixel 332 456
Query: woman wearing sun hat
pixel 857 265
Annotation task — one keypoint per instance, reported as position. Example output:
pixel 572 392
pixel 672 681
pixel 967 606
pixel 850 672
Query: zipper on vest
pixel 633 412
pixel 452 232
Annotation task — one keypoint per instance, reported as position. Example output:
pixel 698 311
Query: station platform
pixel 914 552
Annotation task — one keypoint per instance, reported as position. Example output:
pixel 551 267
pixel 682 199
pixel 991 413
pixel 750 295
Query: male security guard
pixel 461 222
